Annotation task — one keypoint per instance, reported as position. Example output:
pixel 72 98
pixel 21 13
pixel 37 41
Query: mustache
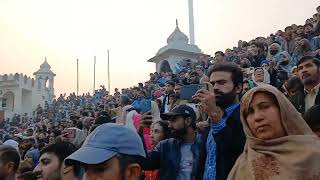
pixel 218 92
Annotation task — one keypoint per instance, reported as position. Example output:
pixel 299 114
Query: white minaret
pixel 191 23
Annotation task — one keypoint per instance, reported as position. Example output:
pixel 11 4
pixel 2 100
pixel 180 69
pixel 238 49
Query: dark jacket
pixel 230 143
pixel 299 103
pixel 273 77
pixel 166 157
pixel 256 60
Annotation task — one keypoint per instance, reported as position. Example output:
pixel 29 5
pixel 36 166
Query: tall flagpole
pixel 191 23
pixel 77 77
pixel 94 75
pixel 108 72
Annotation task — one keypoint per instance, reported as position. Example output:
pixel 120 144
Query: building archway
pixel 165 66
pixel 8 100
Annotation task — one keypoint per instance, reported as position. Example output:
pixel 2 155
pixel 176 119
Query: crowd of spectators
pixel 255 119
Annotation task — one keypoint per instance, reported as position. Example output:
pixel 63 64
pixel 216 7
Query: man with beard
pixel 111 152
pixel 223 141
pixel 51 165
pixel 309 73
pixel 176 157
pixel 177 90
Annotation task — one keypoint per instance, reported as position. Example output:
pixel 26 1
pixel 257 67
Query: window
pixel 4 103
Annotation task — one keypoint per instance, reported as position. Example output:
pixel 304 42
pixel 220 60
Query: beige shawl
pixel 295 156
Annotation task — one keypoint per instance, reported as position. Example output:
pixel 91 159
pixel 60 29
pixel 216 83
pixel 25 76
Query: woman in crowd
pixel 285 62
pixel 55 136
pixel 274 52
pixel 280 145
pixel 294 71
pixel 159 131
pixel 260 76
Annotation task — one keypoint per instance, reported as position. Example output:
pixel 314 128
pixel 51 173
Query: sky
pixel 133 31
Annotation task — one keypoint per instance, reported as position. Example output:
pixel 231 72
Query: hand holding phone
pixel 146 121
pixel 188 91
pixel 208 101
pixel 69 133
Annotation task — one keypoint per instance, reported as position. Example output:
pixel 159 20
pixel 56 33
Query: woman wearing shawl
pixel 274 52
pixel 280 145
pixel 285 62
pixel 260 76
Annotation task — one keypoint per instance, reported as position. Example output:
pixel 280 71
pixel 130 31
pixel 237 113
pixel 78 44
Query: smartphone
pixel 145 106
pixel 71 133
pixel 188 91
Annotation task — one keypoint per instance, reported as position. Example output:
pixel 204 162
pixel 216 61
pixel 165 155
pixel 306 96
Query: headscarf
pixel 295 156
pixel 266 78
pixel 277 56
pixel 287 67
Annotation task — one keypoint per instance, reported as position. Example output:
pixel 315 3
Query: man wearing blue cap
pixel 112 152
pixel 176 157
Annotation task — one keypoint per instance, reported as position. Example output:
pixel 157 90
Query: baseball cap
pixel 170 82
pixel 106 141
pixel 181 110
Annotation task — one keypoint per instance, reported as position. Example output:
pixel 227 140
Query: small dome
pixel 45 65
pixel 177 36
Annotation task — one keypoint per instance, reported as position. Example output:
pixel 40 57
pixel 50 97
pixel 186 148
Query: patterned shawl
pixel 295 156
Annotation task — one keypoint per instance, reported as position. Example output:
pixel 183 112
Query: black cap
pixel 181 110
pixel 172 83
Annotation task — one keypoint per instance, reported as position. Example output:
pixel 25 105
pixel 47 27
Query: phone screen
pixel 188 91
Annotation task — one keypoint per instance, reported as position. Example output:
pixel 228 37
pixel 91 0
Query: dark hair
pixel 219 52
pixel 10 154
pixel 170 83
pixel 62 150
pixel 103 119
pixel 85 113
pixel 27 176
pixel 124 99
pixel 79 125
pixel 308 24
pixel 236 73
pixel 193 73
pixel 30 130
pixel 125 160
pixel 312 117
pixel 56 132
pixel 165 128
pixel 315 60
pixel 74 117
pixel 287 28
pixel 254 43
pixel 294 82
pixel 178 84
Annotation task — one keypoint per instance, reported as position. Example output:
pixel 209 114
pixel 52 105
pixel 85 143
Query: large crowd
pixel 255 117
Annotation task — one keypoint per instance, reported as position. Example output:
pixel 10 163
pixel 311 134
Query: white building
pixel 22 94
pixel 176 50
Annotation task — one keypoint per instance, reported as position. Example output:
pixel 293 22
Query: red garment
pixel 151 175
